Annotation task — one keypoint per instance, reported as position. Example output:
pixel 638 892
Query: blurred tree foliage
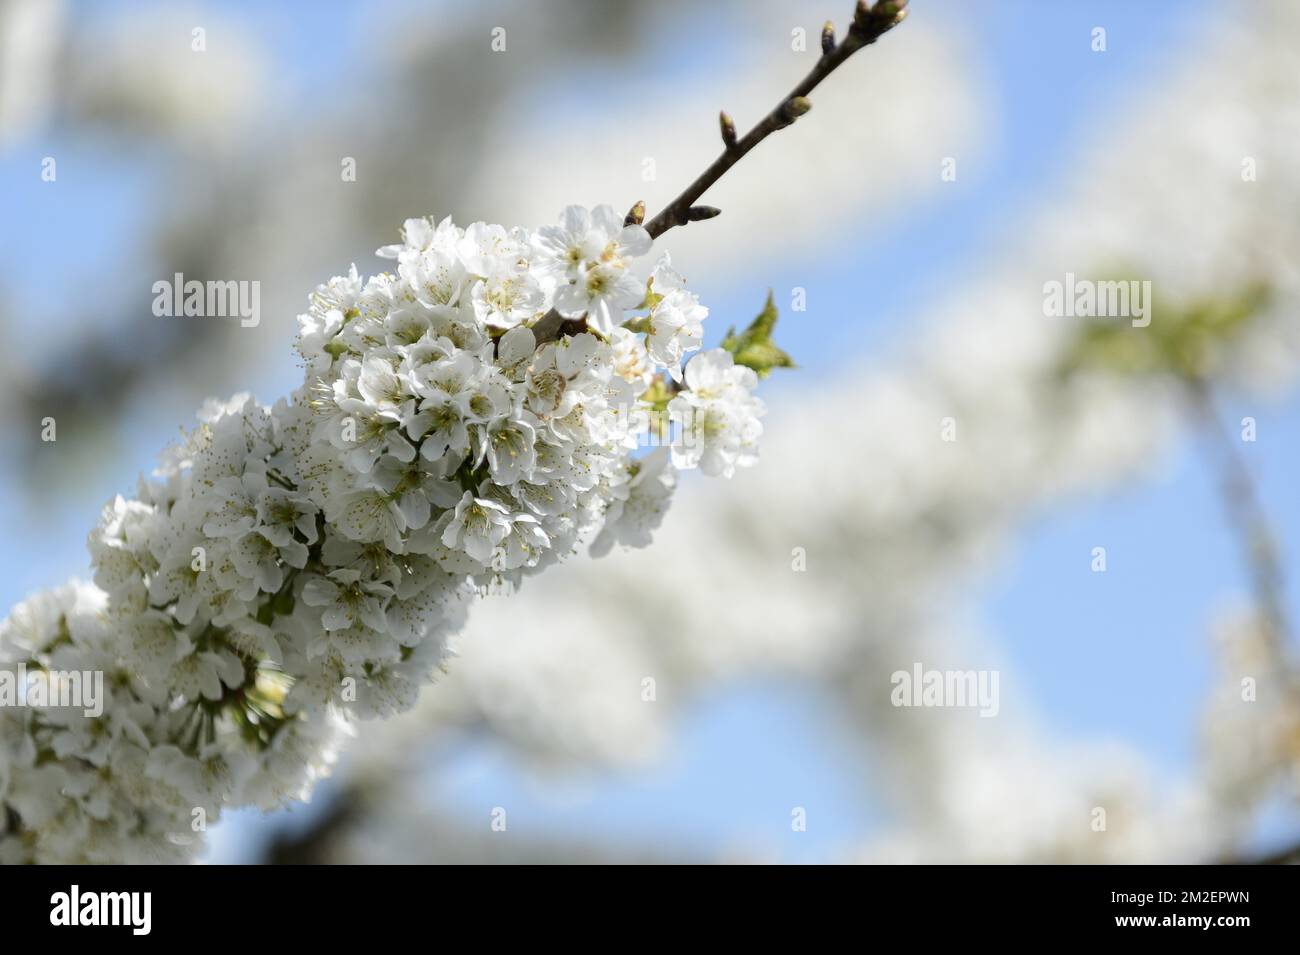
pixel 1183 341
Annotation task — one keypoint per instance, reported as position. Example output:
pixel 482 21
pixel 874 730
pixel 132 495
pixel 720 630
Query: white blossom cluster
pixel 938 515
pixel 288 568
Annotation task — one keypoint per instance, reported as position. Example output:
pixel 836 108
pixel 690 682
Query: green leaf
pixel 754 347
pixel 283 602
pixel 266 613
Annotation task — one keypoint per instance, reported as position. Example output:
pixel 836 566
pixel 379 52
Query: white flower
pixel 604 292
pixel 367 514
pixel 347 599
pixel 233 510
pixel 421 235
pixel 714 375
pixel 508 445
pixel 384 388
pixel 207 780
pixel 584 237
pixel 506 297
pixel 632 361
pixel 120 549
pixel 639 505
pixel 299 754
pixel 281 513
pixel 204 673
pixel 717 416
pixel 477 526
pixel 588 255
pixel 676 321
pixel 524 545
pixel 514 350
pixel 488 249
pixel 436 277
pixel 330 305
pixel 440 426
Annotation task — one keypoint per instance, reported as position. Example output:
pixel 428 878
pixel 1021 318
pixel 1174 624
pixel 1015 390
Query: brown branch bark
pixel 869 24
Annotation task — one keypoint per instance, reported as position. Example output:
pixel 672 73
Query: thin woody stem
pixel 1247 517
pixel 869 24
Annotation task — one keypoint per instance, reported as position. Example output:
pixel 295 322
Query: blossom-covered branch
pixel 289 568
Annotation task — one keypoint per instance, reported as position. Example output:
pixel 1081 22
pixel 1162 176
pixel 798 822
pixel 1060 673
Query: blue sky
pixel 1122 654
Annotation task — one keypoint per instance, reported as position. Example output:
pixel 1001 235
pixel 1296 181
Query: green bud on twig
pixel 792 109
pixel 870 22
pixel 828 38
pixel 728 130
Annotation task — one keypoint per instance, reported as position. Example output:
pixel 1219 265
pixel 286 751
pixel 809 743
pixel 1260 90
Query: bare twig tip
pixel 870 22
pixel 892 10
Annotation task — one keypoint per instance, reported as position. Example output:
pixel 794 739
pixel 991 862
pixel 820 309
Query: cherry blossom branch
pixel 869 24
